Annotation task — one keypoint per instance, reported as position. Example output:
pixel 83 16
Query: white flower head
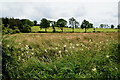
pixel 77 44
pixel 60 51
pixel 8 45
pixel 73 47
pixel 19 43
pixel 66 50
pixel 94 69
pixel 27 52
pixel 107 56
pixel 32 53
pixel 71 44
pixel 27 47
pixel 64 45
pixel 56 48
pixel 19 57
pixel 45 50
pixel 22 54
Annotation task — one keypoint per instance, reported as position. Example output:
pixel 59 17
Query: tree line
pixel 12 25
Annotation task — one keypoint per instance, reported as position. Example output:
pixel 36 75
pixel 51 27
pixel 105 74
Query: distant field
pixel 60 55
pixel 37 28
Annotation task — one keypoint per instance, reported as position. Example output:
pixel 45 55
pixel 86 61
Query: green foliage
pixel 26 29
pixel 61 23
pixel 44 24
pixel 112 26
pixel 86 24
pixel 10 31
pixel 35 23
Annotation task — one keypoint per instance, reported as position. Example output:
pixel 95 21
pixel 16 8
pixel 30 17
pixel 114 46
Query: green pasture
pixel 37 29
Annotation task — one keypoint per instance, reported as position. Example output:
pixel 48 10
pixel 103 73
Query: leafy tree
pixel 118 26
pixel 53 24
pixel 35 23
pixel 74 24
pixel 12 23
pixel 5 21
pixel 101 25
pixel 27 21
pixel 85 24
pixel 44 24
pixel 112 26
pixel 104 26
pixel 61 23
pixel 26 28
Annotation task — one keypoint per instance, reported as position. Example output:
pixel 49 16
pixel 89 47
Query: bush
pixel 10 31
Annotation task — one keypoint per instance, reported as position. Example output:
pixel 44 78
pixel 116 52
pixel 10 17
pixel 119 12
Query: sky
pixel 95 11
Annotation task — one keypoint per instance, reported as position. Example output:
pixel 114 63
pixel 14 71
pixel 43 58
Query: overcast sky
pixel 95 11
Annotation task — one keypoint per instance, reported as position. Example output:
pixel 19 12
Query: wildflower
pixel 71 44
pixel 100 42
pixel 22 54
pixel 23 60
pixel 82 49
pixel 90 40
pixel 56 48
pixel 22 49
pixel 27 47
pixel 73 47
pixel 60 51
pixel 27 52
pixel 66 50
pixel 107 56
pixel 94 69
pixel 77 44
pixel 19 43
pixel 116 68
pixel 70 47
pixel 19 57
pixel 8 45
pixel 45 50
pixel 32 49
pixel 64 45
pixel 32 53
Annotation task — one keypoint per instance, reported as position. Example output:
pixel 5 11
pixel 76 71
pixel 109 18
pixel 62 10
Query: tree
pixel 35 23
pixel 104 26
pixel 5 21
pixel 112 26
pixel 26 28
pixel 53 24
pixel 61 23
pixel 101 25
pixel 74 24
pixel 27 21
pixel 85 24
pixel 118 26
pixel 44 24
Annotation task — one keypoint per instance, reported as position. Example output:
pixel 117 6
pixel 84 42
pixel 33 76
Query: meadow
pixel 65 29
pixel 61 55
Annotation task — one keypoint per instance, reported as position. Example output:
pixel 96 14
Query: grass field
pixel 60 55
pixel 37 28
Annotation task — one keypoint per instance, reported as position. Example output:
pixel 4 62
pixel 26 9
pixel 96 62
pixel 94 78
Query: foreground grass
pixel 37 29
pixel 61 55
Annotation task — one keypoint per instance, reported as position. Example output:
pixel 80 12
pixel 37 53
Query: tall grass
pixel 66 55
